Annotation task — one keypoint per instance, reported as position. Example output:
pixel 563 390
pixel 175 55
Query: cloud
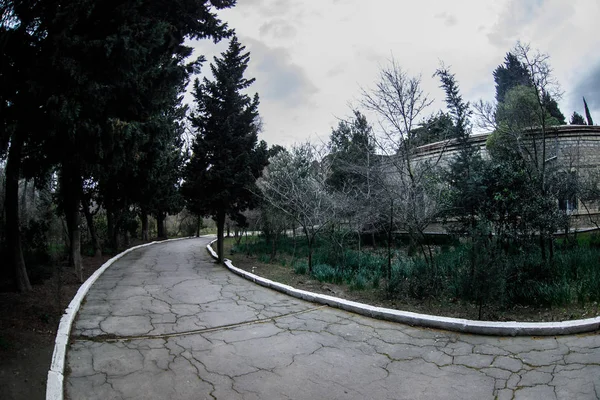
pixel 531 20
pixel 278 79
pixel 515 15
pixel 449 19
pixel 588 87
pixel 269 8
pixel 277 29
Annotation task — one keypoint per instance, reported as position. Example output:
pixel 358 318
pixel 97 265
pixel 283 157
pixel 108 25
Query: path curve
pixel 497 328
pixel 166 322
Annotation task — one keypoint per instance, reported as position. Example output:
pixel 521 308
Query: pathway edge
pixel 54 383
pixel 494 328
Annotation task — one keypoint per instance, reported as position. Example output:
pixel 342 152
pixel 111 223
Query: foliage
pixel 588 115
pixel 226 156
pixel 295 184
pixel 435 128
pixel 576 119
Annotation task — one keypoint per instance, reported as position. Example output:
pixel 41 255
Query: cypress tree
pixel 588 116
pixel 226 159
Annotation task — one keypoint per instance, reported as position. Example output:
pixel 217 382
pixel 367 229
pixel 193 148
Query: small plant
pixel 325 273
pixel 360 281
pixel 300 267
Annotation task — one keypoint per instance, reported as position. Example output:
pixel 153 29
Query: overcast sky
pixel 310 58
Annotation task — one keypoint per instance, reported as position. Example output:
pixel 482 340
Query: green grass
pixel 486 274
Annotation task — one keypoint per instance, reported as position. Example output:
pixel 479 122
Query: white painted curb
pixel 54 384
pixel 495 328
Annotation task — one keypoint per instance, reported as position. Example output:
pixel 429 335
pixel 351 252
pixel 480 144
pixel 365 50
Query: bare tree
pixel 294 183
pixel 399 101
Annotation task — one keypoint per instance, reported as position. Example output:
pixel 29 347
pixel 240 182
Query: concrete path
pixel 166 322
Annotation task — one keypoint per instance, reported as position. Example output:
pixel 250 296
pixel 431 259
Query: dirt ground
pixel 379 296
pixel 28 325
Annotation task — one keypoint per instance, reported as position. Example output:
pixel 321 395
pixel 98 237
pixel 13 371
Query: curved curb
pixel 494 328
pixel 54 384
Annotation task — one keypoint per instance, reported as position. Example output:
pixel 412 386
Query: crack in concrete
pixel 121 338
pixel 172 324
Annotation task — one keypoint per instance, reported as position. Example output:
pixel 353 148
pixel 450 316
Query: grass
pixel 478 273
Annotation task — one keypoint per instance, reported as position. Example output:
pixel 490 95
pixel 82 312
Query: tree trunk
pixel 309 240
pixel 228 229
pixel 198 225
pixel 389 244
pixel 144 218
pixel 89 218
pixel 160 225
pixel 273 247
pixel 111 229
pixel 24 202
pixel 13 232
pixel 71 187
pixel 220 233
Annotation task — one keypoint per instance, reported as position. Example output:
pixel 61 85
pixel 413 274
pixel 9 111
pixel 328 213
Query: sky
pixel 312 58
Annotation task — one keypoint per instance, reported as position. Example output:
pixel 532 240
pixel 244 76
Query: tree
pixel 576 119
pixel 588 115
pixel 354 180
pixel 465 168
pixel 524 125
pixel 518 71
pixel 107 62
pixel 20 112
pixel 351 148
pixel 399 101
pixel 226 159
pixel 84 79
pixel 435 128
pixel 295 184
pixel 508 75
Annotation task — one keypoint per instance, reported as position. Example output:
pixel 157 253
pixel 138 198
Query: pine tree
pixel 514 73
pixel 226 159
pixel 508 75
pixel 464 168
pixel 352 150
pixel 577 119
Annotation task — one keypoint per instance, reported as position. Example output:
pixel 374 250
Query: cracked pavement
pixel 166 322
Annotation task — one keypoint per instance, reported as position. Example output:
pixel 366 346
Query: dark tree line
pixel 91 98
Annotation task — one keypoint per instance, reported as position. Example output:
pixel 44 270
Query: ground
pixel 28 324
pixel 379 296
pixel 167 322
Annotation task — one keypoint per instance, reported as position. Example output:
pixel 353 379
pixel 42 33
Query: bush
pixel 326 273
pixel 301 267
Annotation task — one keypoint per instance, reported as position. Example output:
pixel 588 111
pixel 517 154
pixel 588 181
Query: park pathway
pixel 166 322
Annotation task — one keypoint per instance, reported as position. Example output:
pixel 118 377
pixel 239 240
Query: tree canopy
pixel 226 155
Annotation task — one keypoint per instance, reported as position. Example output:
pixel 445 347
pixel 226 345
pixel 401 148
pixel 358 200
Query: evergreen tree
pixel 467 193
pixel 108 64
pixel 514 73
pixel 508 75
pixel 226 161
pixel 588 115
pixel 21 115
pixel 436 128
pixel 577 119
pixel 352 151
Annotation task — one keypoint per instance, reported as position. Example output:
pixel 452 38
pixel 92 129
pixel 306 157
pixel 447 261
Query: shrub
pixel 301 267
pixel 326 273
